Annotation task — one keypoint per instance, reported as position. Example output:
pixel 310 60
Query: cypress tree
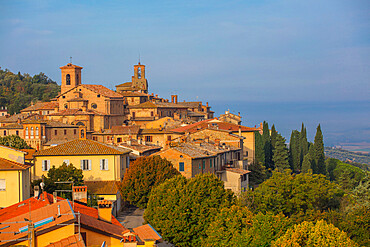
pixel 306 164
pixel 280 156
pixel 259 153
pixel 303 143
pixel 294 151
pixel 311 155
pixel 319 151
pixel 273 136
pixel 267 145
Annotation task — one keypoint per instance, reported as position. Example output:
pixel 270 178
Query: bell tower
pixel 71 76
pixel 139 82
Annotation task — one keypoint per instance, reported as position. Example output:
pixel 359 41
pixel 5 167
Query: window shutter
pixel 82 164
pixel 48 162
pixel 106 164
pixel 89 164
pixel 101 164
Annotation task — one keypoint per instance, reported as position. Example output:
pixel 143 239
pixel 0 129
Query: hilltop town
pixel 101 132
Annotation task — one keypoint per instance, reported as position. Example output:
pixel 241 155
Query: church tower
pixel 71 76
pixel 138 80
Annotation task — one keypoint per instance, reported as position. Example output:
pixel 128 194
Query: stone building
pixel 138 82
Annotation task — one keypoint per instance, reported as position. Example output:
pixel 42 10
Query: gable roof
pixel 9 165
pixel 147 232
pixel 71 241
pixel 41 106
pixel 70 65
pixel 190 150
pixel 82 147
pixel 102 187
pixel 102 90
pixel 74 112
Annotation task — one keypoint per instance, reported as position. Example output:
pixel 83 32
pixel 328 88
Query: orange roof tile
pixel 48 212
pixel 29 153
pixel 74 112
pixel 102 187
pixel 147 232
pixel 71 241
pixel 70 65
pixel 6 165
pixel 41 106
pixel 103 91
pixel 82 147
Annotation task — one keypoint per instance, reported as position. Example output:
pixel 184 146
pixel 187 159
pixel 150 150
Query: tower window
pixel 68 79
pixel 94 106
pixel 139 73
pixel 77 79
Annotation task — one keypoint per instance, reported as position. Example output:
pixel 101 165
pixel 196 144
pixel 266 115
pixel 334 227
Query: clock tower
pixel 71 76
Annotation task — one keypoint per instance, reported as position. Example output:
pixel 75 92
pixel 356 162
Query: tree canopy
pixel 181 209
pixel 13 141
pixel 17 90
pixel 144 174
pixel 314 234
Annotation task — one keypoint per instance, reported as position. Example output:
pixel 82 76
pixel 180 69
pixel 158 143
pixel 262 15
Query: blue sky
pixel 252 51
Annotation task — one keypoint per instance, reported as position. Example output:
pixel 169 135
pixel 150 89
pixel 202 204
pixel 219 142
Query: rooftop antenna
pixel 70 59
pixel 139 57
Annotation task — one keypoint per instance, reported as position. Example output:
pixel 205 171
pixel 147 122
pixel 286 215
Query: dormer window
pixel 68 79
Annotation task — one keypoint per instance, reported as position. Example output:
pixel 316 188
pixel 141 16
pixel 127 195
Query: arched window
pixel 37 131
pixel 77 79
pixel 82 133
pixel 31 131
pixel 139 72
pixel 68 79
pixel 26 132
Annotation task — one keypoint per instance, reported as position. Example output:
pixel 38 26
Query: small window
pixel 204 164
pixel 65 132
pixel 75 131
pixel 181 166
pixel 94 106
pixel 104 164
pixel 55 132
pixel 37 131
pixel 119 139
pixel 85 165
pixel 63 96
pixel 82 133
pixel 169 138
pixel 77 79
pixel 149 138
pixel 32 133
pixel 127 161
pixel 65 106
pixel 4 132
pixel 98 95
pixel 17 132
pixel 151 114
pixel 210 163
pixel 68 79
pixel 2 184
pixel 45 165
pixel 132 100
pixel 26 132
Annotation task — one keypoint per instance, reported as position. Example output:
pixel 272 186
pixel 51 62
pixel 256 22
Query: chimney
pixel 80 193
pixel 217 141
pixel 207 104
pixel 240 131
pixel 174 99
pixel 36 191
pixel 55 198
pixel 105 210
pixel 156 95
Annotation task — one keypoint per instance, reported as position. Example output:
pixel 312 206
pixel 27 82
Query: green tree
pixel 311 155
pixel 306 164
pixel 319 152
pixel 273 136
pixel 293 194
pixel 314 234
pixel 295 151
pixel 144 174
pixel 280 156
pixel 259 153
pixel 267 146
pixel 62 174
pixel 228 226
pixel 258 173
pixel 181 209
pixel 13 141
pixel 303 143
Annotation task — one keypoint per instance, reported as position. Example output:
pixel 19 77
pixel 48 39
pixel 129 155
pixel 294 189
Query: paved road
pixel 131 217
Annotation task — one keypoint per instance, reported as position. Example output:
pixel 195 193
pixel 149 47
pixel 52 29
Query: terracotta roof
pixel 7 165
pixel 147 232
pixel 103 91
pixel 69 65
pixel 41 106
pixel 128 130
pixel 150 104
pixel 237 170
pixel 14 118
pixel 13 126
pixel 126 84
pixel 155 131
pixel 74 112
pixel 134 94
pixel 48 212
pixel 214 123
pixel 190 150
pixel 29 153
pixel 134 145
pixel 71 241
pixel 49 123
pixel 102 187
pixel 104 227
pixel 82 147
pixel 190 104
